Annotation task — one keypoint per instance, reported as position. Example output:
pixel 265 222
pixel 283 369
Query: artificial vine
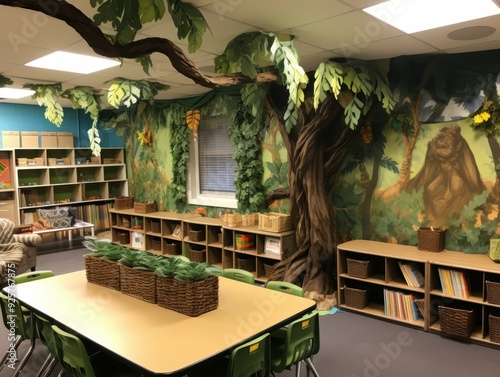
pixel 179 146
pixel 4 81
pixel 46 95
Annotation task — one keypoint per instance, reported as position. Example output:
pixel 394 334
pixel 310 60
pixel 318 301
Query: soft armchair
pixel 17 249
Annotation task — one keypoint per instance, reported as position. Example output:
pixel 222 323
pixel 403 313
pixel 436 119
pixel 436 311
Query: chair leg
pixel 16 344
pixel 47 367
pixel 297 369
pixel 25 359
pixel 310 366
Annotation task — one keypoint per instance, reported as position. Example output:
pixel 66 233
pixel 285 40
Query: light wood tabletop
pixel 155 340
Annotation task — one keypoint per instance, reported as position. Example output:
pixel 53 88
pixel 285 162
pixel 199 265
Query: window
pixel 211 166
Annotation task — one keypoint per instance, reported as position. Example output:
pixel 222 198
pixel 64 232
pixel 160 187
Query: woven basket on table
pixel 189 298
pixel 430 239
pixel 140 284
pixel 493 292
pixel 358 268
pixel 102 272
pixel 456 322
pixel 494 323
pixel 356 298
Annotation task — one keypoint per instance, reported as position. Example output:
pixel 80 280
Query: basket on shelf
pixel 245 241
pixel 250 219
pixel 493 292
pixel 358 268
pixel 137 283
pixel 268 269
pixel 123 238
pixel 494 324
pixel 232 219
pixel 196 235
pixel 456 322
pixel 171 248
pixel 430 239
pixel 355 298
pixel 275 222
pixel 156 244
pixel 124 202
pixel 189 298
pixel 155 227
pixel 246 263
pixel 102 272
pixel 146 207
pixel 197 255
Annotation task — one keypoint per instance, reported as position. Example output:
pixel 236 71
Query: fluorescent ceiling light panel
pixel 70 62
pixel 412 16
pixel 15 93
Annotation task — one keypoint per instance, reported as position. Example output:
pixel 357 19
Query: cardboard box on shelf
pixel 11 139
pixel 29 139
pixel 49 139
pixel 64 139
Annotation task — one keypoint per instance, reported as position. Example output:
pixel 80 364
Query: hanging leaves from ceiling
pixel 4 81
pixel 124 92
pixel 46 95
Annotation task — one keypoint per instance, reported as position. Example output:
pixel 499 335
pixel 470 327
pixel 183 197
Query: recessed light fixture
pixel 412 16
pixel 13 93
pixel 70 62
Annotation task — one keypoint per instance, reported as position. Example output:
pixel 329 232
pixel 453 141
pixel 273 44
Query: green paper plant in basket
pixel 137 277
pixel 101 265
pixel 190 288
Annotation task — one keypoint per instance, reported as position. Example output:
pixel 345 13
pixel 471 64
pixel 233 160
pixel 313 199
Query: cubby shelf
pixel 45 177
pixel 386 274
pixel 200 238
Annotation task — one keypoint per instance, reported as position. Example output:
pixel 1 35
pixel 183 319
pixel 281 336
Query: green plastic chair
pixel 22 325
pixel 48 337
pixel 77 363
pixel 182 258
pixel 299 344
pixel 237 274
pixel 251 359
pixel 285 287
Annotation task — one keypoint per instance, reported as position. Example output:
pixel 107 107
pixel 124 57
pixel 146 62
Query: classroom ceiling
pixel 324 28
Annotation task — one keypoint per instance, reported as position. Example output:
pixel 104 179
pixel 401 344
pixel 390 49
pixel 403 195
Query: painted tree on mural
pixel 316 121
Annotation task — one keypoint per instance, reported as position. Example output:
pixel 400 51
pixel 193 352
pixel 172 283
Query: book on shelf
pixel 401 305
pixel 454 282
pixel 412 274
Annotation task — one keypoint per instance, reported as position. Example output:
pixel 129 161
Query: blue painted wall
pixel 17 117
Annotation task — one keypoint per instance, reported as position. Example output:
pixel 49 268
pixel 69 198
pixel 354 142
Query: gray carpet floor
pixel 352 345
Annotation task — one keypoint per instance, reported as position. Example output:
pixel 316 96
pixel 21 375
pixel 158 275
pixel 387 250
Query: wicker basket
pixel 268 269
pixel 250 219
pixel 155 227
pixel 232 219
pixel 188 298
pixel 196 235
pixel 456 322
pixel 430 239
pixel 197 255
pixel 493 292
pixel 494 323
pixel 171 249
pixel 124 202
pixel 102 272
pixel 140 284
pixel 146 207
pixel 358 268
pixel 275 222
pixel 246 263
pixel 156 244
pixel 356 298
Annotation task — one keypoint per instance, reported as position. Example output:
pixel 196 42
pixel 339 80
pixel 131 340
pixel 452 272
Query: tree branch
pixel 98 41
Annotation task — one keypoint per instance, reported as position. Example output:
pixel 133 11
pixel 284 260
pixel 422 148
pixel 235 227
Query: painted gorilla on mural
pixel 449 176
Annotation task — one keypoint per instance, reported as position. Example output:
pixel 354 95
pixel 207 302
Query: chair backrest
pixel 238 274
pixel 12 315
pixel 302 340
pixel 32 275
pixel 47 336
pixel 251 359
pixel 73 355
pixel 285 287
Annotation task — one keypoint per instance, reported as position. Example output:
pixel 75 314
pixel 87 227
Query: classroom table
pixel 154 340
